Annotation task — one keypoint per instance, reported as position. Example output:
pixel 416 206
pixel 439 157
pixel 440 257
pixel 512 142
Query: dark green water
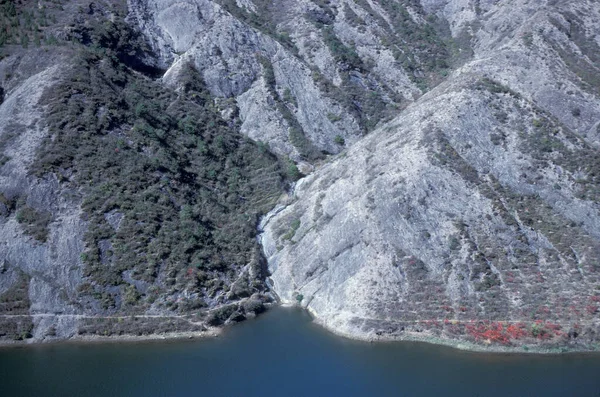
pixel 283 354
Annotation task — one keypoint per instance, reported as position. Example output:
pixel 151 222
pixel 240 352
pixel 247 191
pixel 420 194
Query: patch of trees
pixel 189 187
pixel 24 22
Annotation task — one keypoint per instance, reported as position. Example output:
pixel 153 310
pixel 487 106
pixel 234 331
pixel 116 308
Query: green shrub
pixel 35 223
pixel 23 22
pixel 292 171
pixel 344 55
pixel 293 229
pixel 333 117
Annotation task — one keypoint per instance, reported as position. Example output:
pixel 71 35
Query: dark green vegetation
pixel 24 22
pixel 15 301
pixel 547 140
pixel 550 145
pixel 425 50
pixel 172 193
pixel 421 46
pixel 421 49
pixel 5 139
pixel 365 101
pixel 132 325
pixel 585 67
pixel 35 223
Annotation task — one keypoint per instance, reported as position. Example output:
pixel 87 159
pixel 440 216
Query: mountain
pixel 419 169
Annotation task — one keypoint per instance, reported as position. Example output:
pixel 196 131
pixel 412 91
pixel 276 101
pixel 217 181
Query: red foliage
pixel 574 310
pixel 545 310
pixel 497 332
pixel 493 332
pixel 516 331
pixel 553 327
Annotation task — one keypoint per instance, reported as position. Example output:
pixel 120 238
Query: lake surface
pixel 282 353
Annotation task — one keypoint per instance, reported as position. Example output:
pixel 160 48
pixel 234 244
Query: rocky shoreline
pixel 467 346
pixel 421 336
pixel 89 339
pixel 210 332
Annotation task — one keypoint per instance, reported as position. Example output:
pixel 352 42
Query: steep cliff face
pixel 473 215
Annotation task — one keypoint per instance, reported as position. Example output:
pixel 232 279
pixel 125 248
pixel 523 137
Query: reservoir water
pixel 282 353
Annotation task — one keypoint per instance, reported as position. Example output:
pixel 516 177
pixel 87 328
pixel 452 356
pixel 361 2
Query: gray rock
pixel 457 211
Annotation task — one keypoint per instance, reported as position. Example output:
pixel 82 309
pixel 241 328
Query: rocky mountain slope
pixel 451 148
pixel 474 214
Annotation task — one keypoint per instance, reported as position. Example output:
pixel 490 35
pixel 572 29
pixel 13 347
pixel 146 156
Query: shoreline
pixel 215 332
pixel 464 346
pixel 456 344
pixel 126 339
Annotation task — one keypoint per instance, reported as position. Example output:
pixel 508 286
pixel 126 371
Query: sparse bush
pixel 259 22
pixel 35 223
pixel 333 117
pixel 292 171
pixel 295 225
pixel 453 243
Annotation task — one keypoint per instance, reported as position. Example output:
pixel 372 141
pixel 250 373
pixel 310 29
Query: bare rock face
pixel 52 270
pixel 247 65
pixel 475 214
pixel 304 76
